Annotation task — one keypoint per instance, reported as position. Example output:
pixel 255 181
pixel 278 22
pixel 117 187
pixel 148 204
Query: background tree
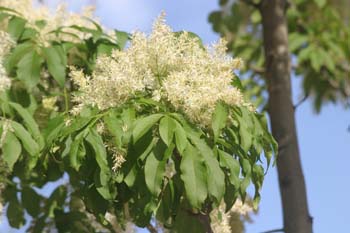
pixel 269 35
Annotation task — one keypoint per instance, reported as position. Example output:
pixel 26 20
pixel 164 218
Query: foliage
pixel 318 43
pixel 137 160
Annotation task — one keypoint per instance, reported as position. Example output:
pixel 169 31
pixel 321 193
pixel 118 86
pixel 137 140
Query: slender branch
pixel 258 70
pixel 204 219
pixel 151 228
pixel 275 230
pixel 301 101
pixel 66 100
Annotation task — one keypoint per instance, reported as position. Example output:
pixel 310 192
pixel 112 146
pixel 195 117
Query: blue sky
pixel 324 138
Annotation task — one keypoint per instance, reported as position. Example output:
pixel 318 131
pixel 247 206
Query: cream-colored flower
pixel 242 208
pixel 166 66
pixel 220 220
pixel 49 103
pixel 5 46
pixel 118 160
pixel 60 17
pixel 5 82
pixel 6 127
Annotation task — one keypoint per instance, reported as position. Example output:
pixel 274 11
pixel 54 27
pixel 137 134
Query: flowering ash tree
pixel 158 130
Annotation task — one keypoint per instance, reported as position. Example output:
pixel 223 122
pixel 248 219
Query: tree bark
pixel 296 216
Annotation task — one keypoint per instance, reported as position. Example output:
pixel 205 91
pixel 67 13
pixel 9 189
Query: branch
pixel 204 219
pixel 151 228
pixel 301 101
pixel 257 70
pixel 275 230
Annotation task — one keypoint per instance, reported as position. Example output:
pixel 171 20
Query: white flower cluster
pixel 54 20
pixel 170 67
pixel 5 45
pixel 222 224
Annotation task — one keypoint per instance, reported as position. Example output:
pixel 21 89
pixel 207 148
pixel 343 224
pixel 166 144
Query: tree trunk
pixel 296 216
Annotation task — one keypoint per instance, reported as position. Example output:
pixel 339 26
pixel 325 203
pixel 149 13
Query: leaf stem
pixel 66 100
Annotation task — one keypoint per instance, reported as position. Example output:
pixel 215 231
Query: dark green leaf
pixel 29 144
pixel 215 176
pixel 194 176
pixel 31 201
pixel 143 125
pixel 180 138
pixel 227 161
pixel 30 123
pixel 76 152
pixel 167 127
pixel 219 119
pixel 15 214
pixel 154 170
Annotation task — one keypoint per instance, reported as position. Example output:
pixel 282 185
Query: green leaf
pixel 296 40
pixel 194 176
pixel 180 138
pixel 215 176
pixel 29 144
pixel 11 149
pixel 115 127
pixel 28 69
pixel 155 169
pixel 320 3
pixel 246 170
pixel 219 119
pixel 122 38
pixel 31 201
pixel 130 178
pixel 76 154
pixel 30 123
pixel 227 161
pixel 15 27
pixel 167 127
pixel 53 129
pixel 16 54
pixel 245 129
pixel 143 125
pixel 96 142
pixel 55 63
pixel 317 59
pixel 104 176
pixel 15 214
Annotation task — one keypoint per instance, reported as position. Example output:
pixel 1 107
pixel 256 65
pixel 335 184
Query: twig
pixel 151 228
pixel 257 70
pixel 301 101
pixel 204 219
pixel 275 230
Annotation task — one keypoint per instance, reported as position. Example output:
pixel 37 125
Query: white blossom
pixel 166 66
pixel 60 17
pixel 5 46
pixel 220 220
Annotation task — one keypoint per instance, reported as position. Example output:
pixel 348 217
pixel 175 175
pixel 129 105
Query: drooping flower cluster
pixel 5 45
pixel 54 19
pixel 221 221
pixel 171 67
